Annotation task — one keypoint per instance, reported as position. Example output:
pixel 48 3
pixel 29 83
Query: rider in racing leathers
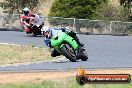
pixel 25 20
pixel 52 31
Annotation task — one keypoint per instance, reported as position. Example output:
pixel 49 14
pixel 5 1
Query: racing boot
pixel 78 42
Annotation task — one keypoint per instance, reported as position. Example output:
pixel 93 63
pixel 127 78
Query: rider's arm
pixel 65 30
pixel 23 21
pixel 26 23
pixel 47 42
pixel 68 31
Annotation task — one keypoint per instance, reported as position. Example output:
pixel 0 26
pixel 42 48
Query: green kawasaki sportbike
pixel 68 47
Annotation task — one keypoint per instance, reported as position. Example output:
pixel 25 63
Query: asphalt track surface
pixel 104 51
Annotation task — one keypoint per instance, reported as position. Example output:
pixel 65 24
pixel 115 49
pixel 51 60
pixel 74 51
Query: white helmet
pixel 25 11
pixel 45 28
pixel 45 31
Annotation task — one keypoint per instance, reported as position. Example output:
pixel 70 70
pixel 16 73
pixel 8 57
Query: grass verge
pixel 58 79
pixel 10 54
pixel 65 83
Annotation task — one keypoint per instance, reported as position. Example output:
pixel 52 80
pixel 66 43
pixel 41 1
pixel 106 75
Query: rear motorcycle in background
pixel 23 23
pixel 33 25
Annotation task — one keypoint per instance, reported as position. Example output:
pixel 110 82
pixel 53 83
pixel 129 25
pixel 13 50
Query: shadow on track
pixel 33 36
pixel 67 61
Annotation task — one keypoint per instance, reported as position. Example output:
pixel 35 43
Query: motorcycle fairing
pixel 62 36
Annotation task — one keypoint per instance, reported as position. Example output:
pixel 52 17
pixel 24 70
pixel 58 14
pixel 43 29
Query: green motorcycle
pixel 68 47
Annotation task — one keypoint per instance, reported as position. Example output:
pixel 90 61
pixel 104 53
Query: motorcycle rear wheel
pixel 68 52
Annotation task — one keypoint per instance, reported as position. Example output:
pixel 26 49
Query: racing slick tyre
pixel 68 52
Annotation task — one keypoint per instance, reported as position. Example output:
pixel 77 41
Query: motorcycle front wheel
pixel 68 52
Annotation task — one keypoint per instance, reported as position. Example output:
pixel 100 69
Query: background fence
pixel 12 22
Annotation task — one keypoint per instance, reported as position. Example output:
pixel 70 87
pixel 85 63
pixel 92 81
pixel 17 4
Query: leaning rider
pixel 25 20
pixel 49 32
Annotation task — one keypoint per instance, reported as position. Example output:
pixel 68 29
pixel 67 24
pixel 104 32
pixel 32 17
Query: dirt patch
pixel 32 76
pixel 24 77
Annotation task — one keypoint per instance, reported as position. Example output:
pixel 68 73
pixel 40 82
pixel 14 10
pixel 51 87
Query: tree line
pixel 81 9
pixel 16 6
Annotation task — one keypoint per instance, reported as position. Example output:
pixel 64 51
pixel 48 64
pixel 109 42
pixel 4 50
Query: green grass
pixel 10 54
pixel 66 83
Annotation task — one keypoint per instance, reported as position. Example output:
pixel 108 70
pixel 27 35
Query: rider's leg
pixel 73 35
